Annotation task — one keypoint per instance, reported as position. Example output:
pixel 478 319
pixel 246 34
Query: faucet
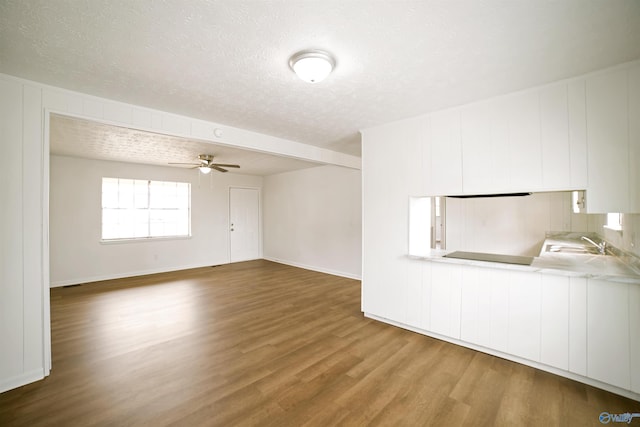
pixel 601 246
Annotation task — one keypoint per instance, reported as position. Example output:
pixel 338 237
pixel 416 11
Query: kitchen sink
pixel 571 249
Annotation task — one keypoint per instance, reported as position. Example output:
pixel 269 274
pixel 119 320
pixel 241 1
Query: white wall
pixel 77 256
pixel 512 225
pixel 312 219
pixel 23 323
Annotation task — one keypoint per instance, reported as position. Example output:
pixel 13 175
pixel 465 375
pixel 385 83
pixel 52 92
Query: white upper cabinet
pixel 578 134
pixel 577 117
pixel 525 154
pixel 477 148
pixel 554 138
pixel 634 139
pixel 483 133
pixel 531 141
pixel 444 165
pixel 608 142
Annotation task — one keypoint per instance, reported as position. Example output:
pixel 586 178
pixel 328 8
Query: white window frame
pixel 614 221
pixel 145 209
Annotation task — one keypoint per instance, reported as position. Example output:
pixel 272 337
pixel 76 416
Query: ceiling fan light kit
pixel 312 65
pixel 206 164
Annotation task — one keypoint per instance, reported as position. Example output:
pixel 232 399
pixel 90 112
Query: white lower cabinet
pixel 634 334
pixel 578 325
pixel 425 297
pixel 474 306
pixel 484 307
pixel 608 333
pixel 446 281
pixel 524 315
pixel 414 297
pixel 554 321
pixel 499 310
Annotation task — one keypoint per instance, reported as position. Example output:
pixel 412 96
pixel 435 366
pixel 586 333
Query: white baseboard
pixel 314 268
pixel 81 280
pixel 560 372
pixel 20 380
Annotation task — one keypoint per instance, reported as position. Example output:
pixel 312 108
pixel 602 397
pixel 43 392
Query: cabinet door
pixel 414 293
pixel 608 142
pixel 445 299
pixel 499 311
pixel 634 139
pixel 554 138
pixel 377 280
pixel 524 142
pixel 477 149
pixel 634 324
pixel 578 325
pixel 475 312
pixel 425 315
pixel 554 321
pixel 445 152
pixel 608 333
pixel 501 145
pixel 576 106
pixel 385 199
pixel 524 315
pixel 470 293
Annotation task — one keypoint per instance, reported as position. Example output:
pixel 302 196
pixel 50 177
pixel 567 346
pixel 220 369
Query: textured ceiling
pixel 226 61
pixel 87 139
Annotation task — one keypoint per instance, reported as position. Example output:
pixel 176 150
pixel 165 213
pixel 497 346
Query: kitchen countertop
pixel 619 267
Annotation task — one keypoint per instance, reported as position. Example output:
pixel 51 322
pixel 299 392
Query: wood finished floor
pixel 259 343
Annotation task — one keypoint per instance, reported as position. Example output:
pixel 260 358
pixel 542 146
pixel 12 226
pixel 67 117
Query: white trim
pixel 46 267
pixel 142 239
pixel 314 268
pixel 193 128
pixel 83 280
pixel 22 379
pixel 604 386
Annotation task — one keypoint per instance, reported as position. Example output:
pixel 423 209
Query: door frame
pixel 260 228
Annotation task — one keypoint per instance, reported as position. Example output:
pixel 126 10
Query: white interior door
pixel 244 224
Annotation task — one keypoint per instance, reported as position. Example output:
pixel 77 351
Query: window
pixel 614 221
pixel 142 209
pixel 426 225
pixel 420 227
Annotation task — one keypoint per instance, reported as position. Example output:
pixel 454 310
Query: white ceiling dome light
pixel 312 65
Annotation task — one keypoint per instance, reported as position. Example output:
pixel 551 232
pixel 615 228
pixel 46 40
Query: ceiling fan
pixel 206 164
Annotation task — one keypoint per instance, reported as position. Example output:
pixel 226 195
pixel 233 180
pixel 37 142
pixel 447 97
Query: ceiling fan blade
pixel 218 168
pixel 225 166
pixel 190 164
